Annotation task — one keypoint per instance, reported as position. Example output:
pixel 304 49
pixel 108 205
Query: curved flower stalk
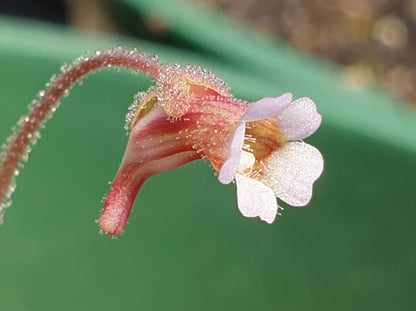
pixel 189 115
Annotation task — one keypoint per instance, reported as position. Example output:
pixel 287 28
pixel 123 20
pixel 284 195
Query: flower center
pixel 263 138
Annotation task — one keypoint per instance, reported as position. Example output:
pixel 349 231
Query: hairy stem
pixel 19 144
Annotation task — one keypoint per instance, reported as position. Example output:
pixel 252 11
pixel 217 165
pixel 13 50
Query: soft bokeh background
pixel 187 247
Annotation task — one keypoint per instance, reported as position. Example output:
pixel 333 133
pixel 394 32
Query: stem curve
pixel 18 145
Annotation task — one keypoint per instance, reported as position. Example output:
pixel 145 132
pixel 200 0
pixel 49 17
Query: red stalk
pixel 20 143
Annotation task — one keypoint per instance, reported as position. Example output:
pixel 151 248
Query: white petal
pixel 230 167
pixel 291 171
pixel 300 119
pixel 267 107
pixel 255 199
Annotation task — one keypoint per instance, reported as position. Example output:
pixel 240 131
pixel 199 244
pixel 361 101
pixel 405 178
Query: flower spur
pixel 189 114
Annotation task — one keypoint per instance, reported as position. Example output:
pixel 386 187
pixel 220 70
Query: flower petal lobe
pixel 300 119
pixel 267 107
pixel 255 199
pixel 291 171
pixel 230 167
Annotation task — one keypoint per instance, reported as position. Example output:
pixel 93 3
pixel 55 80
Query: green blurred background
pixel 187 247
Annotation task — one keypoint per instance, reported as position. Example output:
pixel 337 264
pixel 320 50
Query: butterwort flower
pixel 188 115
pixel 259 145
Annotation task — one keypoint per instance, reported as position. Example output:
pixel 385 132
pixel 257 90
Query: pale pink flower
pixel 256 144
